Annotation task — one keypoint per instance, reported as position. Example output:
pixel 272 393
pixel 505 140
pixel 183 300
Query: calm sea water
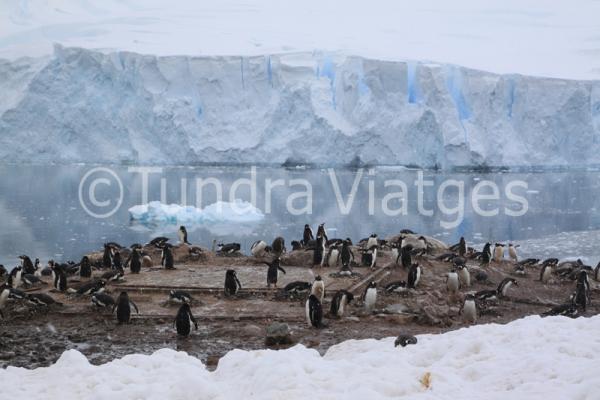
pixel 42 216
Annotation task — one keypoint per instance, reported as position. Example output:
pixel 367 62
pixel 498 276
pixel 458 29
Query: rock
pixel 395 309
pixel 278 334
pixel 251 330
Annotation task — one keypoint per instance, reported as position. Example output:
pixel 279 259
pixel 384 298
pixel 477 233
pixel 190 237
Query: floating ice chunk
pixel 238 211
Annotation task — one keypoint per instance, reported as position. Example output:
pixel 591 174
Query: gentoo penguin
pixel 339 302
pixel 85 267
pixel 180 296
pixel 117 263
pixel 371 256
pixel 90 288
pixel 319 251
pixel 469 308
pixel 321 232
pixel 259 248
pixel 580 297
pixel 346 255
pixel 59 277
pixel 134 262
pixel 278 246
pixel 183 236
pixel 512 252
pixel 333 256
pixel 405 256
pixel 123 307
pixel 31 280
pixel 499 252
pixel 314 311
pixel 232 283
pixel 107 257
pixel 273 272
pixel 147 261
pixel 103 300
pixel 307 235
pixel 296 245
pixel 545 273
pixel 370 296
pixel 462 247
pixel 228 248
pixel 405 340
pixel 14 278
pixel 37 267
pixel 452 282
pixel 492 295
pixel 184 320
pixel 414 276
pixel 318 288
pixel 41 299
pixel 27 265
pixel 158 241
pixel 371 241
pixel 297 288
pixel 567 310
pixel 486 254
pixel 505 285
pixel 167 257
pixel 464 275
pixel 113 276
pixel 396 286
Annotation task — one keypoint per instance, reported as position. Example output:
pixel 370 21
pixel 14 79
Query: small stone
pixel 278 334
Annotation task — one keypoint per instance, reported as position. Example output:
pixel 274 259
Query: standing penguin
pixel 333 256
pixel 59 277
pixel 183 236
pixel 232 283
pixel 486 254
pixel 321 232
pixel 369 257
pixel 184 320
pixel 462 247
pixel 117 264
pixel 499 252
pixel 370 296
pixel 319 252
pixel 273 272
pixel 512 252
pixel 346 255
pixel 469 308
pixel 318 288
pixel 414 276
pixel 167 257
pixel 38 268
pixel 123 306
pixel 546 273
pixel 405 256
pixel 372 241
pixel 135 264
pixel 27 265
pixel 314 311
pixel 85 268
pixel 278 246
pixel 340 300
pixel 452 282
pixel 307 235
pixel 107 256
pixel 464 275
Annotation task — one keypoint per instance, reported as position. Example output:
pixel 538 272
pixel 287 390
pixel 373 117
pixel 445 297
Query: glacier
pixel 316 108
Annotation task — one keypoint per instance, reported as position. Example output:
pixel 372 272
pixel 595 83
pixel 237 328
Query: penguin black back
pixel 123 306
pixel 107 256
pixel 167 257
pixel 314 311
pixel 85 267
pixel 232 283
pixel 135 263
pixel 184 320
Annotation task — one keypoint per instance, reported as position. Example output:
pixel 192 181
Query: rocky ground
pixel 33 336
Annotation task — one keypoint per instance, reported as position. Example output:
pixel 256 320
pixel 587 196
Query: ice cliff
pixel 319 108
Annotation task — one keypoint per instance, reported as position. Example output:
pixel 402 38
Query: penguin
pixel 278 246
pixel 414 276
pixel 183 236
pixel 333 256
pixel 545 273
pixel 103 300
pixel 321 232
pixel 314 311
pixel 372 241
pixel 113 276
pixel 297 288
pixel 339 302
pixel 486 254
pixel 27 265
pixel 469 308
pixel 259 248
pixel 405 256
pixel 296 245
pixel 371 257
pixel 346 255
pixel 498 252
pixel 232 283
pixel 135 265
pixel 158 242
pixel 85 267
pixel 307 235
pixel 512 252
pixel 273 272
pixel 464 275
pixel 405 340
pixel 319 251
pixel 90 288
pixel 31 280
pixel 505 285
pixel 580 297
pixel 596 272
pixel 395 253
pixel 59 277
pixel 370 296
pixel 147 261
pixel 117 264
pixel 492 295
pixel 462 247
pixel 180 296
pixel 396 286
pixel 167 257
pixel 567 310
pixel 318 288
pixel 229 248
pixel 452 282
pixel 3 270
pixel 37 268
pixel 107 257
pixel 123 307
pixel 41 299
pixel 184 320
pixel 14 278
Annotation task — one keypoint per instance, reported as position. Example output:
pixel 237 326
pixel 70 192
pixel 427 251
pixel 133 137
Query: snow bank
pixel 320 108
pixel 532 358
pixel 220 212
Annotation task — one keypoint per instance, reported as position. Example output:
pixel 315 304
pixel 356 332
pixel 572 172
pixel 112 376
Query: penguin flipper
pixel 134 306
pixel 282 270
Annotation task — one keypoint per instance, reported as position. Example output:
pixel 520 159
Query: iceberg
pixel 220 212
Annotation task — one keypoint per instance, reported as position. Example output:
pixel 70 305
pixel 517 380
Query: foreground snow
pixel 532 358
pixel 543 38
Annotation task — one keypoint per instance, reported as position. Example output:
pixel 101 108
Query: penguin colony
pixel 410 253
